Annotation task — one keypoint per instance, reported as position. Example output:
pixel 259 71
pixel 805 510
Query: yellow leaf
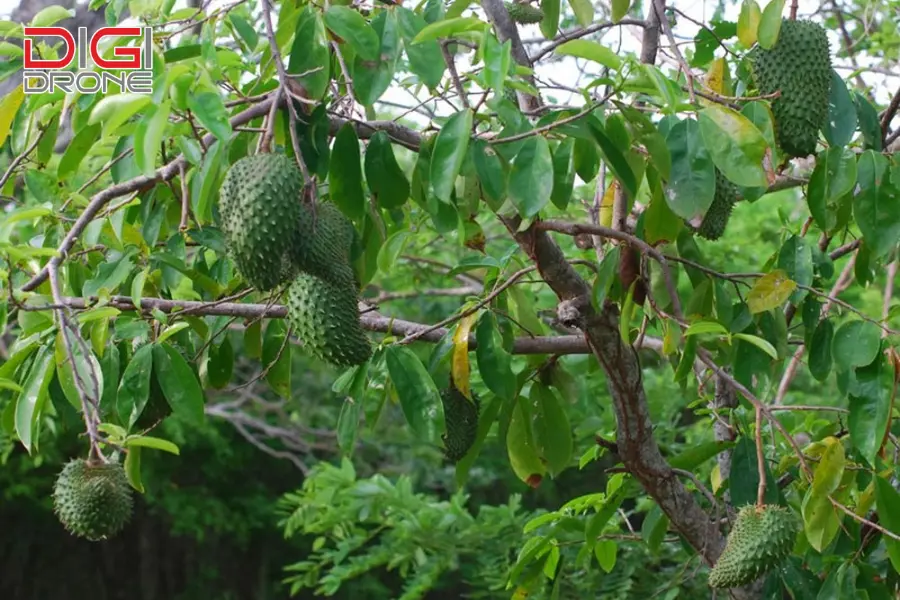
pixel 9 106
pixel 459 366
pixel 715 77
pixel 715 478
pixel 748 22
pixel 770 291
pixel 606 205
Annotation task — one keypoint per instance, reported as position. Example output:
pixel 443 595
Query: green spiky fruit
pixel 325 315
pixel 461 419
pixel 761 539
pixel 716 219
pixel 92 499
pixel 329 250
pixel 524 13
pixel 799 66
pixel 267 228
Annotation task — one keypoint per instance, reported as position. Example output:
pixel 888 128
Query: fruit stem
pixel 760 460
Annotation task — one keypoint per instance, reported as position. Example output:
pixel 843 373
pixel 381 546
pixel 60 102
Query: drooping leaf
pixel 179 383
pixel 834 176
pixel 134 390
pixel 531 177
pixel 310 59
pixel 345 174
pixel 459 361
pixel 856 344
pixel 383 173
pixel 31 400
pixel 449 152
pixel 276 357
pixel 748 22
pixel 692 185
pixel 417 392
pixel 425 58
pixel 372 78
pixel 841 122
pixel 592 51
pixel 770 24
pixel 888 500
pixel 210 111
pixel 795 259
pixel 521 448
pixel 870 408
pixel 552 431
pixel 876 207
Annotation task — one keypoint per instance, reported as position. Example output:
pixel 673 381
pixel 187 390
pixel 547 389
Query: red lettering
pixel 133 54
pixel 35 63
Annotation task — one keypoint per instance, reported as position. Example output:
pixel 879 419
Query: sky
pixel 570 72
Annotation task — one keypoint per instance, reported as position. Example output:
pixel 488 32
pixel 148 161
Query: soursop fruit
pixel 524 14
pixel 760 540
pixel 333 237
pixel 267 228
pixel 325 315
pixel 461 419
pixel 92 499
pixel 716 219
pixel 799 65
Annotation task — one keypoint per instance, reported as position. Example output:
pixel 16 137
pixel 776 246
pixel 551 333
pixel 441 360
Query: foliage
pixel 637 384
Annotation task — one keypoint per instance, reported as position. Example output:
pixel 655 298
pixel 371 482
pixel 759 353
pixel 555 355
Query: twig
pixel 660 7
pixel 760 459
pixel 472 310
pixel 185 200
pixel 889 113
pixel 454 76
pixel 15 162
pixel 581 32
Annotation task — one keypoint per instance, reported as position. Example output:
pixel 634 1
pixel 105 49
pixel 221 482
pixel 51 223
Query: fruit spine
pixel 760 540
pixel 92 499
pixel 798 66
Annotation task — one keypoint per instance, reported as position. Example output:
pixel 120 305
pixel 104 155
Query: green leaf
pixel 494 362
pixel 51 15
pixel 491 173
pixel 134 389
pixel 276 356
pixel 489 412
pixel 172 330
pixel 9 106
pixel 497 58
pixel 820 350
pixel 830 469
pixel 425 58
pixel 584 11
pixel 310 59
pixel 841 122
pixel 735 145
pixel 606 274
pixel 31 400
pixel 870 408
pixel 770 291
pixel 520 446
pixel 133 468
pixel 592 51
pixel 87 368
pixel 619 10
pixel 549 25
pixel 660 223
pixel 770 24
pixel 615 159
pixel 448 28
pixel 795 259
pixel 744 477
pixel 391 250
pixel 563 173
pixel 552 431
pixel 220 366
pixel 210 111
pixel 531 177
pixel 148 137
pixel 345 174
pixel 695 456
pixel 748 22
pixel 179 383
pixel 449 152
pixel 385 177
pixel 77 150
pixel 759 343
pixel 352 27
pixel 869 124
pixel 146 441
pixel 348 419
pixel 245 30
pixel 417 392
pixel 888 501
pixel 372 78
pixel 692 185
pixel 856 344
pixel 605 550
pixel 833 177
pixel 876 207
pixel 110 274
pixel 820 519
pixel 702 327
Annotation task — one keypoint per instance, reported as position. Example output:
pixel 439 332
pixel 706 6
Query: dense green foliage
pixel 510 336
